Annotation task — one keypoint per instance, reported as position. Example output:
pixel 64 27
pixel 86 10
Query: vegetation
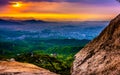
pixel 53 54
pixel 46 61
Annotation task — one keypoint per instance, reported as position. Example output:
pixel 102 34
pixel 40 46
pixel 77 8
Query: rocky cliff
pixel 17 68
pixel 102 55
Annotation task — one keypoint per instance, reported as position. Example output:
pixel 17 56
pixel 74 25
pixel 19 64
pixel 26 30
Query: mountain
pixel 9 22
pixel 102 55
pixel 17 68
pixel 14 22
pixel 32 21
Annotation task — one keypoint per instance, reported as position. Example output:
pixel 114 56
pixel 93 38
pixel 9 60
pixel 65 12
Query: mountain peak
pixel 102 55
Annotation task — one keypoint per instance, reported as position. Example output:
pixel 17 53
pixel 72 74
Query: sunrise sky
pixel 60 10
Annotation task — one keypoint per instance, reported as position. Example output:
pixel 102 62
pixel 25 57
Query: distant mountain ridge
pixel 8 22
pixel 19 22
pixel 33 21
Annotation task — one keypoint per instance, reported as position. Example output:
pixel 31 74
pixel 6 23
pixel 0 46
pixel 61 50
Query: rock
pixel 17 68
pixel 12 59
pixel 102 55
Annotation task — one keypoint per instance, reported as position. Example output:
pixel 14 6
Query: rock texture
pixel 102 55
pixel 17 68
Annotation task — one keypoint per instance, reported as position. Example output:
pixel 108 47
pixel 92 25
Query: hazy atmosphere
pixel 60 10
pixel 59 37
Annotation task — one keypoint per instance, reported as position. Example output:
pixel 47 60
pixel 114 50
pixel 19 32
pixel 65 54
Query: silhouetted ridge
pixel 34 21
pixel 9 22
pixel 14 22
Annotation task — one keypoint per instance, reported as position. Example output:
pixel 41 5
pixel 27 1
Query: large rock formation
pixel 17 68
pixel 102 55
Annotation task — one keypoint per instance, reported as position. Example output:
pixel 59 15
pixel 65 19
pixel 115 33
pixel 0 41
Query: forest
pixel 54 54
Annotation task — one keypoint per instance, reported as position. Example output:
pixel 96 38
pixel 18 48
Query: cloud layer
pixel 61 9
pixel 5 2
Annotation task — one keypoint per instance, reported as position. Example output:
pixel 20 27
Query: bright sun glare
pixel 17 4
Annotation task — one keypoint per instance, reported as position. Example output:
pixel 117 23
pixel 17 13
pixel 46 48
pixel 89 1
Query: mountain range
pixel 20 22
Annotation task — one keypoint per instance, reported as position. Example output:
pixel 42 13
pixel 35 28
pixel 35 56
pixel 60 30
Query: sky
pixel 60 10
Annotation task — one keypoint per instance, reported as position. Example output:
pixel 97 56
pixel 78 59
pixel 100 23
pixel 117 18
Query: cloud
pixel 5 2
pixel 81 1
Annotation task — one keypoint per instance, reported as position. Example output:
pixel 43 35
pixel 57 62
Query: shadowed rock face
pixel 17 68
pixel 102 55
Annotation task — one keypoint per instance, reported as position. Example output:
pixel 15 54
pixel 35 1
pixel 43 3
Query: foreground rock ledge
pixel 102 55
pixel 17 68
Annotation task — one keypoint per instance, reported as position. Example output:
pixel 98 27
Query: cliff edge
pixel 102 55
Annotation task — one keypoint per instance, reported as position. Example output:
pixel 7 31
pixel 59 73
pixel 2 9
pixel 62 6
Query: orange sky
pixel 60 11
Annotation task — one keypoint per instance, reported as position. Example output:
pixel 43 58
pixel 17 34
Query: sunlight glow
pixel 59 17
pixel 17 4
pixel 57 11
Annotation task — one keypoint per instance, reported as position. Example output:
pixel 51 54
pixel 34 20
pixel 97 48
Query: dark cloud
pixel 5 2
pixel 118 0
pixel 82 1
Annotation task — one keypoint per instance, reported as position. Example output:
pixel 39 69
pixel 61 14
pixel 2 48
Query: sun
pixel 17 4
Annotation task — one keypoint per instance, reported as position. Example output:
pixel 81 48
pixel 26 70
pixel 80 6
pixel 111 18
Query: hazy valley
pixel 60 40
